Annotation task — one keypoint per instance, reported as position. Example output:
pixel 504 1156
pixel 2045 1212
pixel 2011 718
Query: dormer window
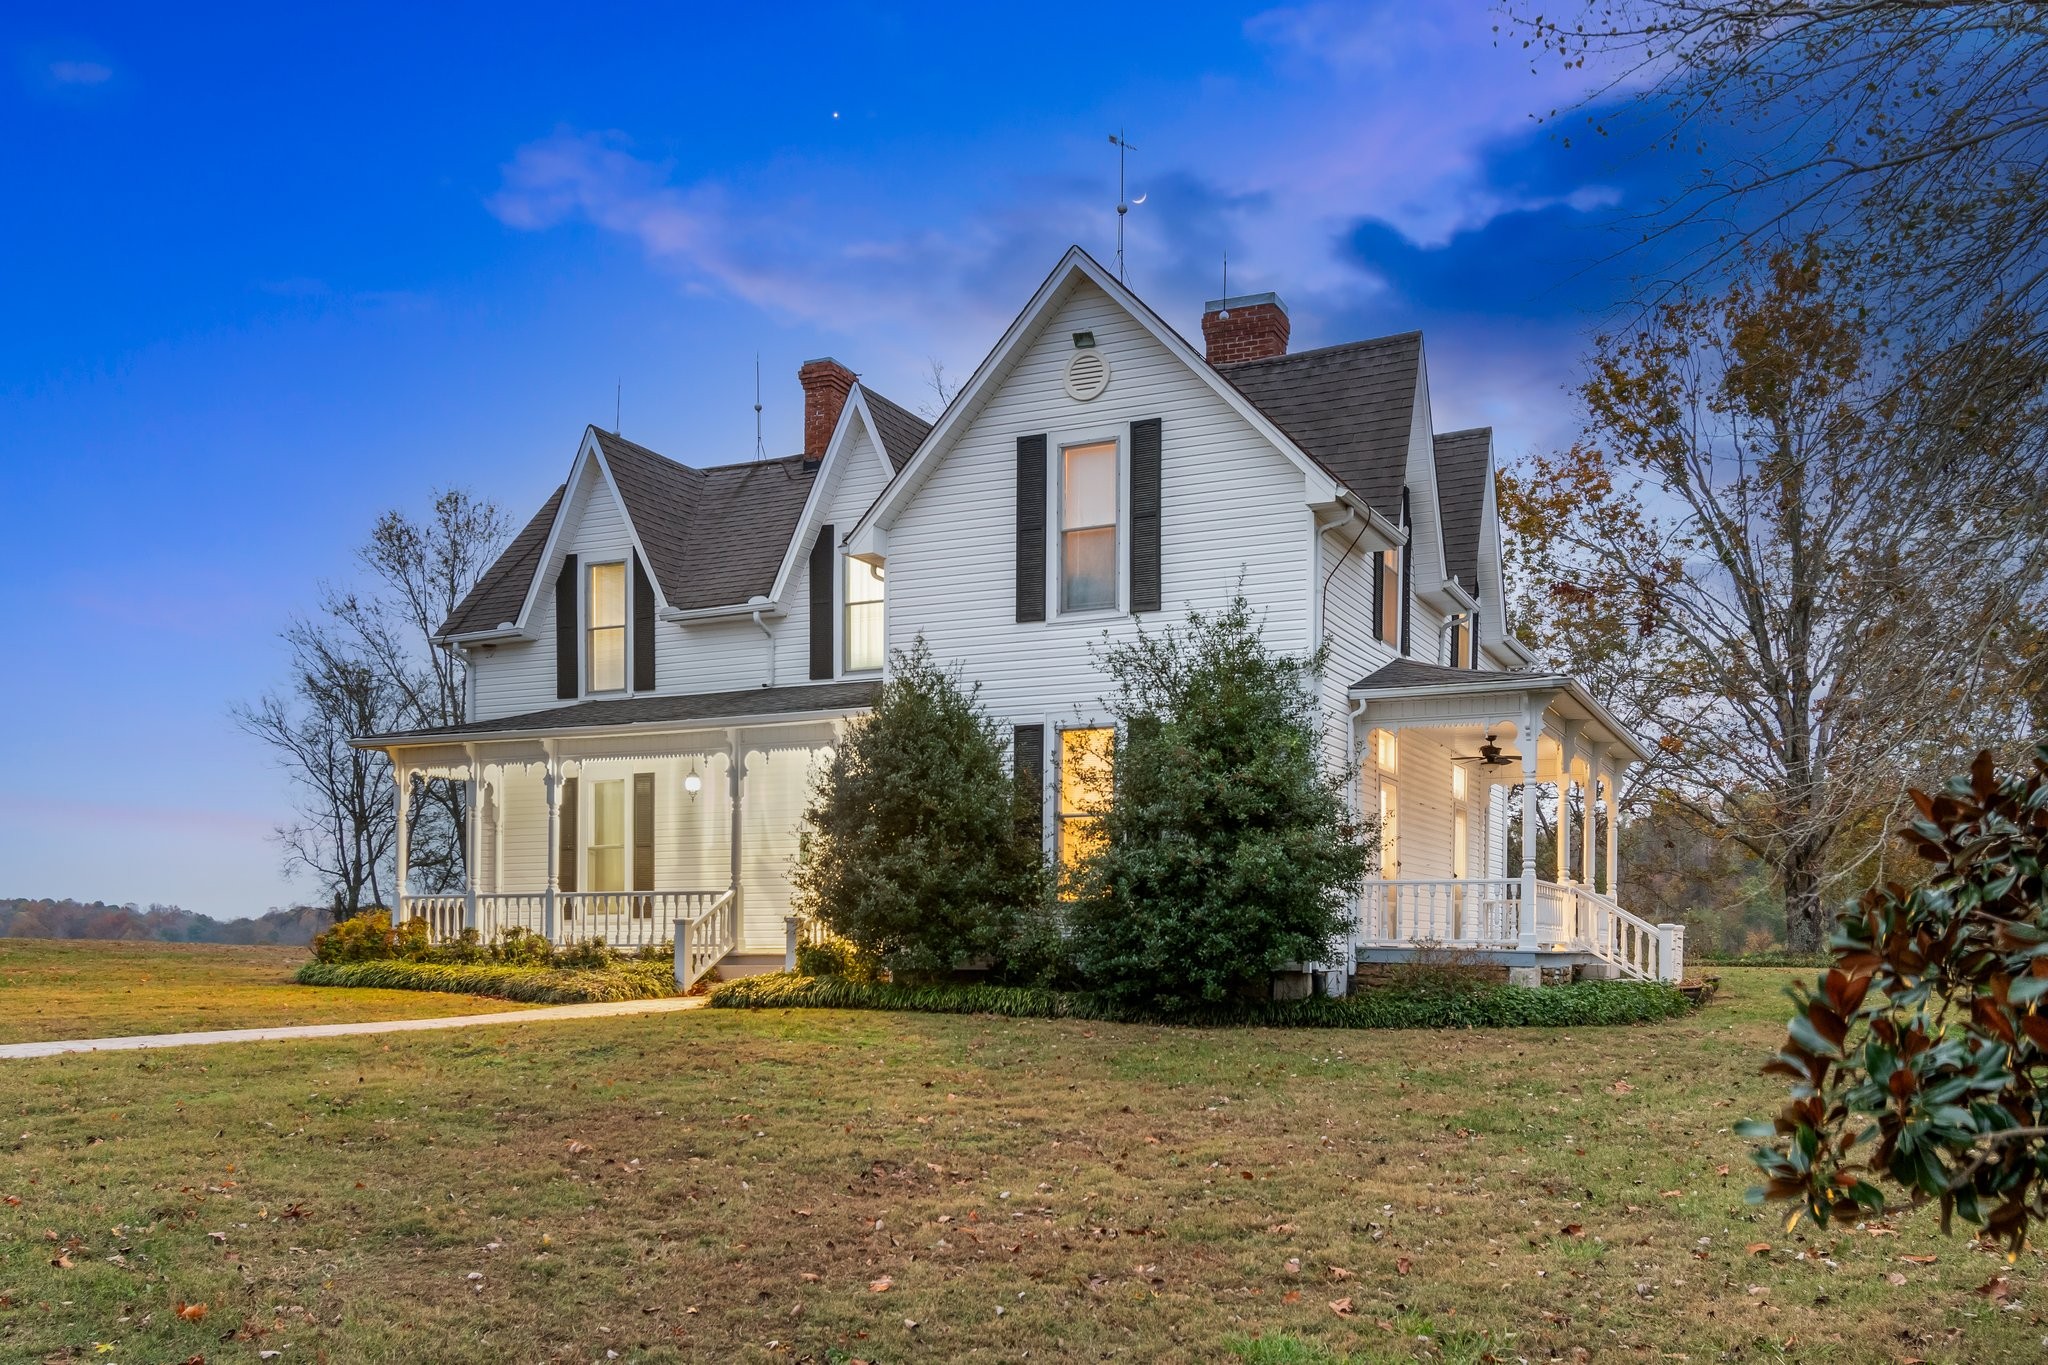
pixel 604 649
pixel 862 633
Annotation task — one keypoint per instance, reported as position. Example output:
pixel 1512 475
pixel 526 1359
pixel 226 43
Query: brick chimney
pixel 826 384
pixel 1248 327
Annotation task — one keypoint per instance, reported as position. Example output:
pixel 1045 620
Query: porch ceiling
pixel 1463 705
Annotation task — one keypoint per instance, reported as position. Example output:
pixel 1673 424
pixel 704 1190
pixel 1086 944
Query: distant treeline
pixel 20 918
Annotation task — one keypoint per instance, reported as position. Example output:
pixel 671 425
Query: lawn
pixel 827 1186
pixel 52 989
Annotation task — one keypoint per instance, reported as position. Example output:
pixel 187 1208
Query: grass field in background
pixel 826 1186
pixel 86 989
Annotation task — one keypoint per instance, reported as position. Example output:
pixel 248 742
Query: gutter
pixel 707 724
pixel 753 610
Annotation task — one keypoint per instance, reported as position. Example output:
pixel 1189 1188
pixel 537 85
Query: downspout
pixel 1322 590
pixel 771 642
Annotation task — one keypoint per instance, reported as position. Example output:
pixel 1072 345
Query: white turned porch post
pixel 1532 734
pixel 552 781
pixel 1614 774
pixel 402 802
pixel 471 840
pixel 1568 754
pixel 1590 840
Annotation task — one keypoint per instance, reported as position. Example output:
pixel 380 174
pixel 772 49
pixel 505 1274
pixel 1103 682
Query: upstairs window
pixel 862 633
pixel 1461 647
pixel 604 650
pixel 1088 527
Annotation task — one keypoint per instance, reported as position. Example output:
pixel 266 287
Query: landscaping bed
pixel 623 980
pixel 1585 1003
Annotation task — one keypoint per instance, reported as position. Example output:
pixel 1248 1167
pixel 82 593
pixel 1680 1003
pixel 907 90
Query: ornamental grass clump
pixel 911 852
pixel 1227 848
pixel 1919 1060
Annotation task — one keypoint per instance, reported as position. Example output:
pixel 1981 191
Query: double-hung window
pixel 1390 596
pixel 862 633
pixel 604 611
pixel 608 836
pixel 1087 765
pixel 1088 498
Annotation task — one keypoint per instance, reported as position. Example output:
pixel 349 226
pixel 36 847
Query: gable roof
pixel 664 708
pixel 1352 407
pixel 899 431
pixel 1462 461
pixel 501 591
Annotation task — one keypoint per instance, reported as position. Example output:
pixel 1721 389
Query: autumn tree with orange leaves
pixel 1809 565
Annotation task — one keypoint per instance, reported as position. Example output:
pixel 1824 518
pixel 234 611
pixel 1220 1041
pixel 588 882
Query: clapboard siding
pixel 1348 628
pixel 1231 504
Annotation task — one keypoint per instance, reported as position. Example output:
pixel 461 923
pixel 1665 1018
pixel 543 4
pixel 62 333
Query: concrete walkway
pixel 544 1014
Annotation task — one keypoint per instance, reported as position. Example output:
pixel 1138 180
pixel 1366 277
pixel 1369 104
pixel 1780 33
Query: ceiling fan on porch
pixel 1489 754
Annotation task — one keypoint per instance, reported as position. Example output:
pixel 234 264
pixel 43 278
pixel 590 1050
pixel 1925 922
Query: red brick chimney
pixel 1248 327
pixel 826 384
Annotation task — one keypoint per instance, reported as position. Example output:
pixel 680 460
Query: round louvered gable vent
pixel 1087 375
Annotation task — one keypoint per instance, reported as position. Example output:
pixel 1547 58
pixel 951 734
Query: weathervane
pixel 1122 208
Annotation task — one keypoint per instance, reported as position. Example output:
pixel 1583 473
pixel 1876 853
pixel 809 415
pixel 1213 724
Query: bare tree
pixel 420 572
pixel 1798 562
pixel 942 385
pixel 345 828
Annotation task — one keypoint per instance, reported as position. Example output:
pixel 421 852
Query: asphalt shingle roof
pixel 664 708
pixel 1461 462
pixel 902 431
pixel 1351 407
pixel 1414 673
pixel 501 591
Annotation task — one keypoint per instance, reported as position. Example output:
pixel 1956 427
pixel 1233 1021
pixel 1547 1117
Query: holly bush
pixel 1918 1060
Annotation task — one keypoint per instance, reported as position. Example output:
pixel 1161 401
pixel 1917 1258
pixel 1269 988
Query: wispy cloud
pixel 80 73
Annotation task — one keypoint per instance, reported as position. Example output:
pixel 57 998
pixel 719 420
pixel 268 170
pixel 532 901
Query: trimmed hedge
pixel 1586 1003
pixel 1758 960
pixel 533 985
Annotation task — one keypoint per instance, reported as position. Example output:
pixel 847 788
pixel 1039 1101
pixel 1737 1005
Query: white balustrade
pixel 1487 913
pixel 702 940
pixel 623 919
pixel 443 914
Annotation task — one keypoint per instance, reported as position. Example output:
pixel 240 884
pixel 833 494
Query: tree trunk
pixel 1808 920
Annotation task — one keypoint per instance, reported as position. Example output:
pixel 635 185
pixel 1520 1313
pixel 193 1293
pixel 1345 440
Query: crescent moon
pixel 1142 198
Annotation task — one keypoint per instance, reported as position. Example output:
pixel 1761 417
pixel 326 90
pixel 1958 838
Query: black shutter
pixel 1145 452
pixel 565 859
pixel 1407 562
pixel 821 604
pixel 1474 661
pixel 1031 528
pixel 1379 596
pixel 643 841
pixel 565 630
pixel 643 628
pixel 1029 758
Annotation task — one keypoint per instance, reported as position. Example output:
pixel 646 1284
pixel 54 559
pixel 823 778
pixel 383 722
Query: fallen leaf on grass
pixel 881 1286
pixel 1338 1272
pixel 13 1201
pixel 1918 1260
pixel 1573 1230
pixel 1403 1266
pixel 1996 1289
pixel 1341 1307
pixel 61 1261
pixel 577 1147
pixel 190 1312
pixel 1291 1296
pixel 1669 1194
pixel 1620 1088
pixel 1758 1248
pixel 1894 1278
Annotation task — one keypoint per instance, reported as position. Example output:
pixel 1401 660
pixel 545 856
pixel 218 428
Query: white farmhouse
pixel 663 656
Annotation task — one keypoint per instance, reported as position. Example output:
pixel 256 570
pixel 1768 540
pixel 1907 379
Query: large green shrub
pixel 1227 848
pixel 1920 1060
pixel 910 850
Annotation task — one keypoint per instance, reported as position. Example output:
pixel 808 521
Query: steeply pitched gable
pixel 1463 459
pixel 899 431
pixel 501 592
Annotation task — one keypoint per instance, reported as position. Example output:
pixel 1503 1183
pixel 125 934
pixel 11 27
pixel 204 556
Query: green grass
pixel 632 980
pixel 728 1184
pixel 1582 1005
pixel 82 989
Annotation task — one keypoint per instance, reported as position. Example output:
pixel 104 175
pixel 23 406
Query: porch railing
pixel 623 919
pixel 703 939
pixel 1465 912
pixel 1479 912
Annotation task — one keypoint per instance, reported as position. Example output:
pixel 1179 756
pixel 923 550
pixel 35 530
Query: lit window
pixel 608 836
pixel 1087 761
pixel 863 630
pixel 1386 752
pixel 1088 527
pixel 1457 784
pixel 1460 841
pixel 606 612
pixel 1460 648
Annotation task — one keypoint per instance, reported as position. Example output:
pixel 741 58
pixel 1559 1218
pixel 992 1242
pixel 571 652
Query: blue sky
pixel 269 272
